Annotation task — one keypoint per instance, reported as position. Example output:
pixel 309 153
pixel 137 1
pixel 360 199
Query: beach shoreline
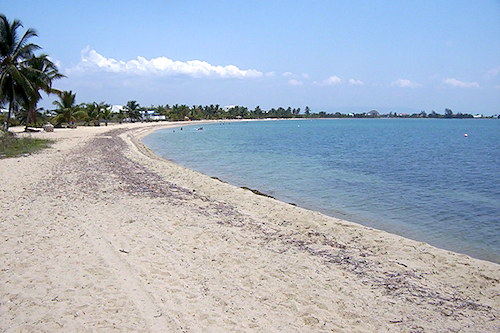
pixel 101 233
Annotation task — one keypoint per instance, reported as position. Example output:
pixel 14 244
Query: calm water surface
pixel 420 178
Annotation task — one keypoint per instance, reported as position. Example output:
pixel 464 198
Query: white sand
pixel 99 234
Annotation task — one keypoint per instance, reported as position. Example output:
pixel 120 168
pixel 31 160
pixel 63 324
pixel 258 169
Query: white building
pixel 116 108
pixel 228 107
pixel 152 115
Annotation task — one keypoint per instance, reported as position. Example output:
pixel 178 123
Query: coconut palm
pixel 121 115
pixel 67 110
pixel 26 116
pixel 41 72
pixel 132 110
pixel 15 76
pixel 107 113
pixel 93 113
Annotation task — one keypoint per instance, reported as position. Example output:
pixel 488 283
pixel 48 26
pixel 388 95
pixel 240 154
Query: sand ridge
pixel 99 234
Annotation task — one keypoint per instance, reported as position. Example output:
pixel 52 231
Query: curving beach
pixel 99 234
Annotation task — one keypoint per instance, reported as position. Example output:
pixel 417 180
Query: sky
pixel 347 56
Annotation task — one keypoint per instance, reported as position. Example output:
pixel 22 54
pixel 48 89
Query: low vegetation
pixel 12 146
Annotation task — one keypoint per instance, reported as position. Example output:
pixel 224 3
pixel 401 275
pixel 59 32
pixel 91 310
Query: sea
pixel 431 180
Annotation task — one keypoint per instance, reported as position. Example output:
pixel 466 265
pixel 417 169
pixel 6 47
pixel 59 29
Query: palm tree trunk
pixel 11 108
pixel 29 116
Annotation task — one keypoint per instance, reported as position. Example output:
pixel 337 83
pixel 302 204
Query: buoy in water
pixel 466 135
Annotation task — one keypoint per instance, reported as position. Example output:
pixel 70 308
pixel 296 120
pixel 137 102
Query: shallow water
pixel 420 178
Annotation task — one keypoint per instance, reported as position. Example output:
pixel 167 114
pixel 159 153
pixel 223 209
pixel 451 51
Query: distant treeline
pixel 68 113
pixel 183 112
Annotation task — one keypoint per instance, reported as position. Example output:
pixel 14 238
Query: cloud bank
pixel 92 60
pixel 461 84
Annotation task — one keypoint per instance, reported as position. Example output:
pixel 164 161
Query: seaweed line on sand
pixel 103 157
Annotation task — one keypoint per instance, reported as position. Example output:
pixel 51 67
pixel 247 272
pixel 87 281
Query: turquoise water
pixel 419 178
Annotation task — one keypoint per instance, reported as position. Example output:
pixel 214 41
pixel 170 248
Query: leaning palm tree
pixel 15 52
pixel 41 72
pixel 67 110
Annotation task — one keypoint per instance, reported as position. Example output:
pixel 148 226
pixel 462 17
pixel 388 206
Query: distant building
pixel 116 108
pixel 478 116
pixel 373 113
pixel 228 107
pixel 152 115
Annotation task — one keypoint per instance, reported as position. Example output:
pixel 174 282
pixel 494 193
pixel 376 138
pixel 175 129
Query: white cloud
pixel 493 72
pixel 354 82
pixel 287 74
pixel 294 82
pixel 92 60
pixel 331 81
pixel 461 84
pixel 404 83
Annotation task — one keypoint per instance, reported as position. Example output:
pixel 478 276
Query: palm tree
pixel 132 110
pixel 41 72
pixel 92 113
pixel 121 115
pixel 15 76
pixel 107 113
pixel 67 110
pixel 30 116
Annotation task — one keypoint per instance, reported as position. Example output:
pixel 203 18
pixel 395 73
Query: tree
pixel 106 113
pixel 307 111
pixel 30 117
pixel 92 113
pixel 122 114
pixel 258 112
pixel 448 113
pixel 67 110
pixel 42 71
pixel 132 111
pixel 23 75
pixel 15 52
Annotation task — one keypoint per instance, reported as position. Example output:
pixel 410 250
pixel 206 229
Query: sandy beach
pixel 98 234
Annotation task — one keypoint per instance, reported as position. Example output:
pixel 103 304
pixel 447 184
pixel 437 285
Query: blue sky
pixel 343 56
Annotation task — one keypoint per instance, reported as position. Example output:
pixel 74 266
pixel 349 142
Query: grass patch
pixel 11 146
